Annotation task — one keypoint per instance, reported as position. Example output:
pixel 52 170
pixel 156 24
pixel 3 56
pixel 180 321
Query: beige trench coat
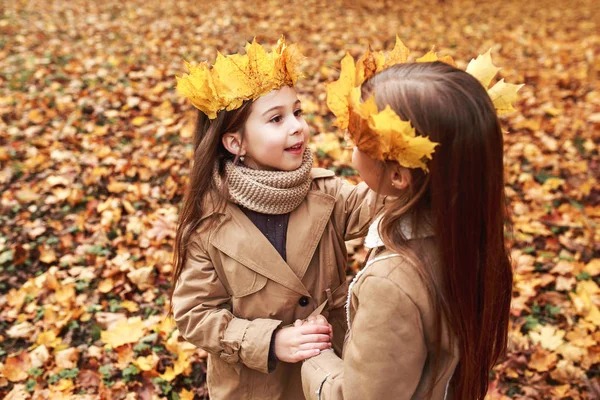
pixel 389 347
pixel 235 289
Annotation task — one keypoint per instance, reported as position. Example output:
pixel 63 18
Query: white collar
pixel 373 239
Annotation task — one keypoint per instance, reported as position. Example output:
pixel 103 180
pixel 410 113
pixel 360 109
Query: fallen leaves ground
pixel 95 148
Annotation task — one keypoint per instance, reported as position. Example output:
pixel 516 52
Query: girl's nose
pixel 295 126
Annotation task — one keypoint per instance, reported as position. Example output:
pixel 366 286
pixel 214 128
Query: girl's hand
pixel 317 320
pixel 301 341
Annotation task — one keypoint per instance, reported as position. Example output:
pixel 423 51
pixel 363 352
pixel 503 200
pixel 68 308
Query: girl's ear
pixel 232 141
pixel 401 177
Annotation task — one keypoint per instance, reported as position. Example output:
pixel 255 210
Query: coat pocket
pixel 242 280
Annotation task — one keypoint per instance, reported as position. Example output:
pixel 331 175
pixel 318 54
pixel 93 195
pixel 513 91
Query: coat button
pixel 303 301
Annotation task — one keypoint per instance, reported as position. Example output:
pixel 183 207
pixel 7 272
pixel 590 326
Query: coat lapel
pixel 241 240
pixel 305 229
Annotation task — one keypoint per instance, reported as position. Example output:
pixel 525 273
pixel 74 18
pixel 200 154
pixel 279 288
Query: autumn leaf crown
pixel 236 78
pixel 383 134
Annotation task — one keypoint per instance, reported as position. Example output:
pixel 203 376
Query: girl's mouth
pixel 295 149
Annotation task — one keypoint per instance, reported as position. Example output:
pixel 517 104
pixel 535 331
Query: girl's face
pixel 276 133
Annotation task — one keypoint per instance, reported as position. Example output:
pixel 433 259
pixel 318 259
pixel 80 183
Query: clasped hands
pixel 303 339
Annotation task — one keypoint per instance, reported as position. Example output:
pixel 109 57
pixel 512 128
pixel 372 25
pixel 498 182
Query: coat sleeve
pixel 385 355
pixel 202 312
pixel 358 206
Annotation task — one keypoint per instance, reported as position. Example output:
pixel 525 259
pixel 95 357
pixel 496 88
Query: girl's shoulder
pixel 401 270
pixel 328 182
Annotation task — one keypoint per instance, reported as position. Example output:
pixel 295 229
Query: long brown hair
pixel 463 197
pixel 201 191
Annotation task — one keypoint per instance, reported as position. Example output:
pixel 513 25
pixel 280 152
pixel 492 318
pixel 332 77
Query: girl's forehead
pixel 283 97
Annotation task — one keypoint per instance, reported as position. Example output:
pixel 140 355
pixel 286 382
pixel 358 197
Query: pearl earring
pixel 242 158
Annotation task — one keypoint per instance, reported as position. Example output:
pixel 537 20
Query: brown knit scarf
pixel 267 192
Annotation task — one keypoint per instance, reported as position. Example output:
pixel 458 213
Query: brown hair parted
pixel 201 189
pixel 463 195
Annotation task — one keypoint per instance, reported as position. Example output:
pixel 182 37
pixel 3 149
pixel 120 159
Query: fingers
pixel 298 323
pixel 307 329
pixel 312 346
pixel 314 338
pixel 317 319
pixel 305 354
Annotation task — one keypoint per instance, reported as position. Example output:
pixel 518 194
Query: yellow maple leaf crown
pixel 236 78
pixel 383 134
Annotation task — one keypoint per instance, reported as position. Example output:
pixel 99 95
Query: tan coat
pixel 389 347
pixel 235 289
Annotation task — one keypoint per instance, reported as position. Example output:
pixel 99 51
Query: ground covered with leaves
pixel 96 148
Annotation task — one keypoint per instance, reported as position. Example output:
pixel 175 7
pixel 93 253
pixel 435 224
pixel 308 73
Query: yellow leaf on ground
pixel 186 395
pixel 15 367
pixel 542 360
pixel 138 121
pixel 130 306
pixel 67 359
pixel 47 255
pixel 65 295
pixel 117 187
pixel 106 285
pixel 27 196
pixel 36 116
pixel 129 331
pixel 146 363
pixel 593 267
pixel 142 277
pixel 548 337
pixel 48 339
pixel 39 356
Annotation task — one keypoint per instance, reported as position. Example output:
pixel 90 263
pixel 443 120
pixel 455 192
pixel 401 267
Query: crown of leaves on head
pixel 382 134
pixel 236 78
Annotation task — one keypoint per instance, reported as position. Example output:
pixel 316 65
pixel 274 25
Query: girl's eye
pixel 275 119
pixel 298 112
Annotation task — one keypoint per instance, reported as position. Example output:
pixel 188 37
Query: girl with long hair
pixel 428 314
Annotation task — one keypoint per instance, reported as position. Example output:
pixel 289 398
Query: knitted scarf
pixel 267 192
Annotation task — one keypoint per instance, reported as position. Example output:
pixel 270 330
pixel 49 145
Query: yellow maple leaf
pixel 483 68
pixel 146 363
pixel 15 367
pixel 130 306
pixel 368 65
pixel 338 92
pixel 180 366
pixel 64 385
pixel 47 255
pixel 126 331
pixel 398 55
pixel 399 141
pixel 290 58
pixel 593 267
pixel 48 339
pixel 430 56
pixel 186 395
pixel 542 361
pixel 503 96
pixel 197 86
pixel 236 78
pixel 365 138
pixel 65 295
pixel 548 337
pixel 139 121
